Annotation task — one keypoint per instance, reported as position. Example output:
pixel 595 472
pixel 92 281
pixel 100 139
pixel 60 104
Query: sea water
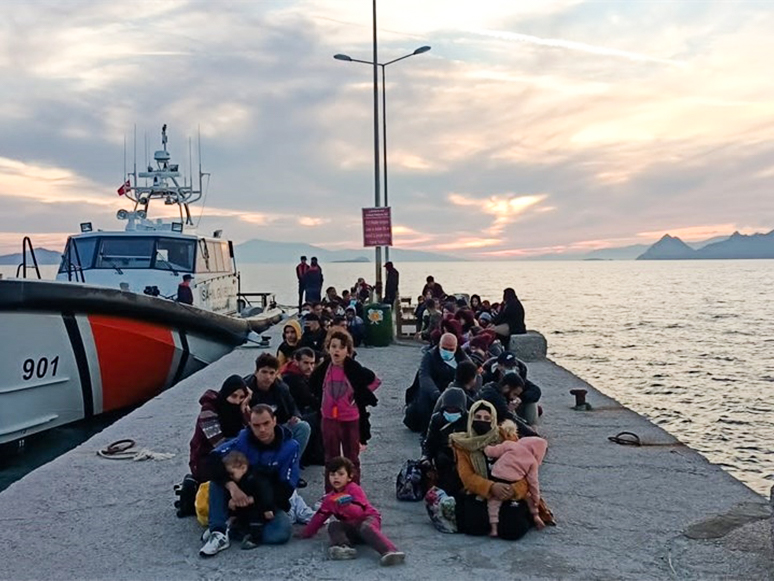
pixel 688 344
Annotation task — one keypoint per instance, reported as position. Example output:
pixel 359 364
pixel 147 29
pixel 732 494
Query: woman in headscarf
pixel 474 469
pixel 291 335
pixel 510 319
pixel 220 419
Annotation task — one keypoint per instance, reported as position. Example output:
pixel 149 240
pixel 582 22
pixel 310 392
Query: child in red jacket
pixel 357 521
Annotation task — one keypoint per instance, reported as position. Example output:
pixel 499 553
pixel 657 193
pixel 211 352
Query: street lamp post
pixel 344 57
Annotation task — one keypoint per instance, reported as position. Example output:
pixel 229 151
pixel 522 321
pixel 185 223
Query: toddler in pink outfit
pixel 357 521
pixel 516 459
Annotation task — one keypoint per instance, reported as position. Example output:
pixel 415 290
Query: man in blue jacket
pixel 270 449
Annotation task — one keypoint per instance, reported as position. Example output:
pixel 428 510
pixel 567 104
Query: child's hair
pixel 344 337
pixel 339 462
pixel 509 430
pixel 234 458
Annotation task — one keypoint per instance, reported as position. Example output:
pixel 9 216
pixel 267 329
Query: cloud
pixel 505 208
pixel 616 139
pixel 575 46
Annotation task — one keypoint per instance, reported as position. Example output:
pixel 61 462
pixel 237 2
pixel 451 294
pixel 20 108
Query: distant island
pixel 358 259
pixel 44 256
pixel 736 246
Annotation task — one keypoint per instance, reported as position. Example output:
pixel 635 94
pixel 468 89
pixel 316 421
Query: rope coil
pixel 122 450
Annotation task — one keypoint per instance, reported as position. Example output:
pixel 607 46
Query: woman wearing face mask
pixel 474 469
pixel 451 417
pixel 221 418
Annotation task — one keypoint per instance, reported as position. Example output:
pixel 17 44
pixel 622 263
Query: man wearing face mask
pixel 451 417
pixel 436 372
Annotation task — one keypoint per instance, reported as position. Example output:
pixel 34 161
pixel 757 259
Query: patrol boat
pixel 108 333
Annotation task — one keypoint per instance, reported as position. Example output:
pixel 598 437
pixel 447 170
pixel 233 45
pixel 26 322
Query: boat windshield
pixel 120 252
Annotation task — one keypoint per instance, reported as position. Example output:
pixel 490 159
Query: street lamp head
pixel 344 57
pixel 421 49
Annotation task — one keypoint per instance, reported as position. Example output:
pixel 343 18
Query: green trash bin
pixel 378 321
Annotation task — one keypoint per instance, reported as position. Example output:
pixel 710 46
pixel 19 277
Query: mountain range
pixel 264 251
pixel 667 248
pixel 736 246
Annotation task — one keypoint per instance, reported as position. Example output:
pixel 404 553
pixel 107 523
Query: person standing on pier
pixel 391 285
pixel 345 389
pixel 301 270
pixel 184 292
pixel 313 281
pixel 270 448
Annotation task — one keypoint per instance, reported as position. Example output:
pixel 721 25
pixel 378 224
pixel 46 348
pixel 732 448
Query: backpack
pixel 410 483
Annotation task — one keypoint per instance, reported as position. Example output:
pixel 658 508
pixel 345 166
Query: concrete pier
pixel 622 511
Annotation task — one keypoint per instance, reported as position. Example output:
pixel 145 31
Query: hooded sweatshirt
pixel 436 442
pixel 285 350
pixel 517 460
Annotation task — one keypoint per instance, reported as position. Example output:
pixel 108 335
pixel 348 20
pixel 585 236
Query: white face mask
pixel 446 355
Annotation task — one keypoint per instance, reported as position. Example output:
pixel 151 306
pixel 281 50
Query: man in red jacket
pixel 301 270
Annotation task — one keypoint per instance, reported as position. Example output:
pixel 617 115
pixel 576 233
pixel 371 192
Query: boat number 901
pixel 40 368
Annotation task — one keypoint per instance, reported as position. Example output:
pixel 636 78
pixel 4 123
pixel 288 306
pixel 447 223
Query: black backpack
pixel 410 483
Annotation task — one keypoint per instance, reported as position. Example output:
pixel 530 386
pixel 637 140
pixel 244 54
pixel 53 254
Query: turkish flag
pixel 125 187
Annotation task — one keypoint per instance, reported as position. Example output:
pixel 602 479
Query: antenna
pixel 146 153
pixel 190 162
pixel 199 131
pixel 135 155
pixel 123 179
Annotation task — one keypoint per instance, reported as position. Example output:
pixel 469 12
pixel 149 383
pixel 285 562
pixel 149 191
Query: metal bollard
pixel 581 405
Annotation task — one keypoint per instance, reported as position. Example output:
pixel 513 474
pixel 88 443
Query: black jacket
pixel 492 393
pixel 359 378
pixel 278 397
pixel 258 483
pixel 513 315
pixel 391 286
pixel 315 340
pixel 433 377
pixel 302 394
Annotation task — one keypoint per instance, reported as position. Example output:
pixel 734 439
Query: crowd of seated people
pixel 467 388
pixel 471 321
pixel 470 400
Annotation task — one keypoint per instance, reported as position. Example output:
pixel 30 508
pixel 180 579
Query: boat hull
pixel 71 352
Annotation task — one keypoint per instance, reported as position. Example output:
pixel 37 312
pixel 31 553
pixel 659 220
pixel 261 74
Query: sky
pixel 530 127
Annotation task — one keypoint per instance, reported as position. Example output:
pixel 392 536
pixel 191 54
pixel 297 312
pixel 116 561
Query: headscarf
pixel 475 444
pixel 230 415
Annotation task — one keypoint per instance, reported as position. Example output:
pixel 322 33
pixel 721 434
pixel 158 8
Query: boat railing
pixel 266 299
pixel 74 268
pixel 23 267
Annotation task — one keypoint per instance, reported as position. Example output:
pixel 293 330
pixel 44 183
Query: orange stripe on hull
pixel 134 359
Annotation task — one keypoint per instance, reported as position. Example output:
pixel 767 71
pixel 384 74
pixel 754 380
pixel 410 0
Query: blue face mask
pixel 446 355
pixel 452 417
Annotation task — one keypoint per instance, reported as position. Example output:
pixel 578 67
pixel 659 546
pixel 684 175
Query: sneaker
pixel 248 543
pixel 342 552
pixel 392 558
pixel 216 543
pixel 206 535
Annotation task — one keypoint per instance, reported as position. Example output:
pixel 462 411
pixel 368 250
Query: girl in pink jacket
pixel 516 459
pixel 357 521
